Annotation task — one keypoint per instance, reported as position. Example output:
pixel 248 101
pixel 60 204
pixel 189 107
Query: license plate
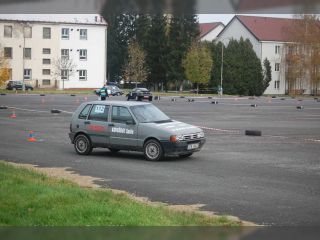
pixel 145 97
pixel 193 146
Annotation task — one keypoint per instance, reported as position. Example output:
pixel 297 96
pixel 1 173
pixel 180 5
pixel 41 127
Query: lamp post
pixel 221 76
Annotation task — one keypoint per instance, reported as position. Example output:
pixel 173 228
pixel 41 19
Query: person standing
pixel 103 92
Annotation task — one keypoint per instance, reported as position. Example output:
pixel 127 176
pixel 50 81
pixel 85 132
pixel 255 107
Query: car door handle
pixel 111 125
pixel 87 122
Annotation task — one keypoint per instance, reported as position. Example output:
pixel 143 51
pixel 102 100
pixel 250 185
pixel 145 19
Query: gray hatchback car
pixel 134 126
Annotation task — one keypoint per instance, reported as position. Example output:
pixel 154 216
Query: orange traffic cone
pixel 13 115
pixel 31 137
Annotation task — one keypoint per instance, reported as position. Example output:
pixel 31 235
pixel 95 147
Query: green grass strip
pixel 28 198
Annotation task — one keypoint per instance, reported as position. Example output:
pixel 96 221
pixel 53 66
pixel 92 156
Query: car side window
pixel 99 113
pixel 84 113
pixel 121 115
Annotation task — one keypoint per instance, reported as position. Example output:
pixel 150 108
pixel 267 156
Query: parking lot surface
pixel 273 179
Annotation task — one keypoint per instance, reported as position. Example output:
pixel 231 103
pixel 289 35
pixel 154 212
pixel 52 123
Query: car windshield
pixel 149 113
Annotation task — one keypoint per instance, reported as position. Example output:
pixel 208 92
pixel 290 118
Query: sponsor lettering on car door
pixel 123 129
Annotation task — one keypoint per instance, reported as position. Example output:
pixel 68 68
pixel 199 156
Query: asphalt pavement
pixel 273 179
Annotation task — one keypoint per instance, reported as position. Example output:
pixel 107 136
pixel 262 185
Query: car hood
pixel 176 127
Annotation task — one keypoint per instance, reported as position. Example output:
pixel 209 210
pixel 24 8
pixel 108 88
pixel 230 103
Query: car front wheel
pixel 82 145
pixel 153 150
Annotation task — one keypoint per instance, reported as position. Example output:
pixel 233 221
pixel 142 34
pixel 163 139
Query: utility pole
pixel 221 77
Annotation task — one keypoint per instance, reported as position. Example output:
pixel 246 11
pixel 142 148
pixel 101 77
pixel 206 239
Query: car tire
pixel 114 150
pixel 150 99
pixel 185 155
pixel 152 150
pixel 82 145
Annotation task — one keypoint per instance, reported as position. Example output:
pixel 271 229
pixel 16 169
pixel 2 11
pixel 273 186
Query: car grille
pixel 190 136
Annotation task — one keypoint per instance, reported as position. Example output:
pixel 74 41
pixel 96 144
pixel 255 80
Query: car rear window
pixel 99 113
pixel 84 113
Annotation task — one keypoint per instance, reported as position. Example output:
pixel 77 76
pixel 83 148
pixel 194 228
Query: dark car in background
pixel 17 85
pixel 139 94
pixel 114 90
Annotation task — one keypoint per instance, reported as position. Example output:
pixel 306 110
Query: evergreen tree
pixel 120 30
pixel 216 51
pixel 242 69
pixel 267 77
pixel 184 29
pixel 156 50
pixel 142 27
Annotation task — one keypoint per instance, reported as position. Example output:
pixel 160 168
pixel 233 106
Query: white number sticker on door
pixel 99 109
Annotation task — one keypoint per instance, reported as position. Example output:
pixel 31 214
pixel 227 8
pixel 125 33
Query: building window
pixel 27 32
pixel 46 82
pixel 27 74
pixel 65 33
pixel 8 52
pixel 27 53
pixel 277 67
pixel 277 85
pixel 83 75
pixel 46 71
pixel 83 54
pixel 46 50
pixel 46 61
pixel 83 34
pixel 277 49
pixel 46 33
pixel 64 74
pixel 65 53
pixel 8 31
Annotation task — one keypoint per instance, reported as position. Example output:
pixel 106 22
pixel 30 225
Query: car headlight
pixel 200 135
pixel 176 138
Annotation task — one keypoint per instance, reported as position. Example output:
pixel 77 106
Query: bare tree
pixel 302 55
pixel 135 68
pixel 4 68
pixel 63 69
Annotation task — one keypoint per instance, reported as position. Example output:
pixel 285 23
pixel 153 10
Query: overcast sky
pixel 225 18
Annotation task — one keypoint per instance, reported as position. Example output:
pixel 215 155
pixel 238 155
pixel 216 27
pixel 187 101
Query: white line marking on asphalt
pixel 219 130
pixel 39 111
pixel 28 110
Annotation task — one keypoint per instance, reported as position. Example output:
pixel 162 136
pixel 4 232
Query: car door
pixel 97 125
pixel 124 129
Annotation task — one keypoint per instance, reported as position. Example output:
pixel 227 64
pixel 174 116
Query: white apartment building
pixel 268 38
pixel 210 31
pixel 36 44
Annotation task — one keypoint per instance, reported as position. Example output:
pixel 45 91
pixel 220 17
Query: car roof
pixel 119 103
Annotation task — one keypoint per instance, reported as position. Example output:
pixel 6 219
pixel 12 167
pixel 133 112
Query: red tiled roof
pixel 244 5
pixel 205 28
pixel 268 29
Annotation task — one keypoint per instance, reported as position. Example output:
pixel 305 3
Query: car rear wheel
pixel 153 150
pixel 185 155
pixel 82 145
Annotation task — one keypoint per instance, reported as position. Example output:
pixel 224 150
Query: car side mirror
pixel 130 122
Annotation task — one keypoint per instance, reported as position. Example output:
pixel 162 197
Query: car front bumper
pixel 179 148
